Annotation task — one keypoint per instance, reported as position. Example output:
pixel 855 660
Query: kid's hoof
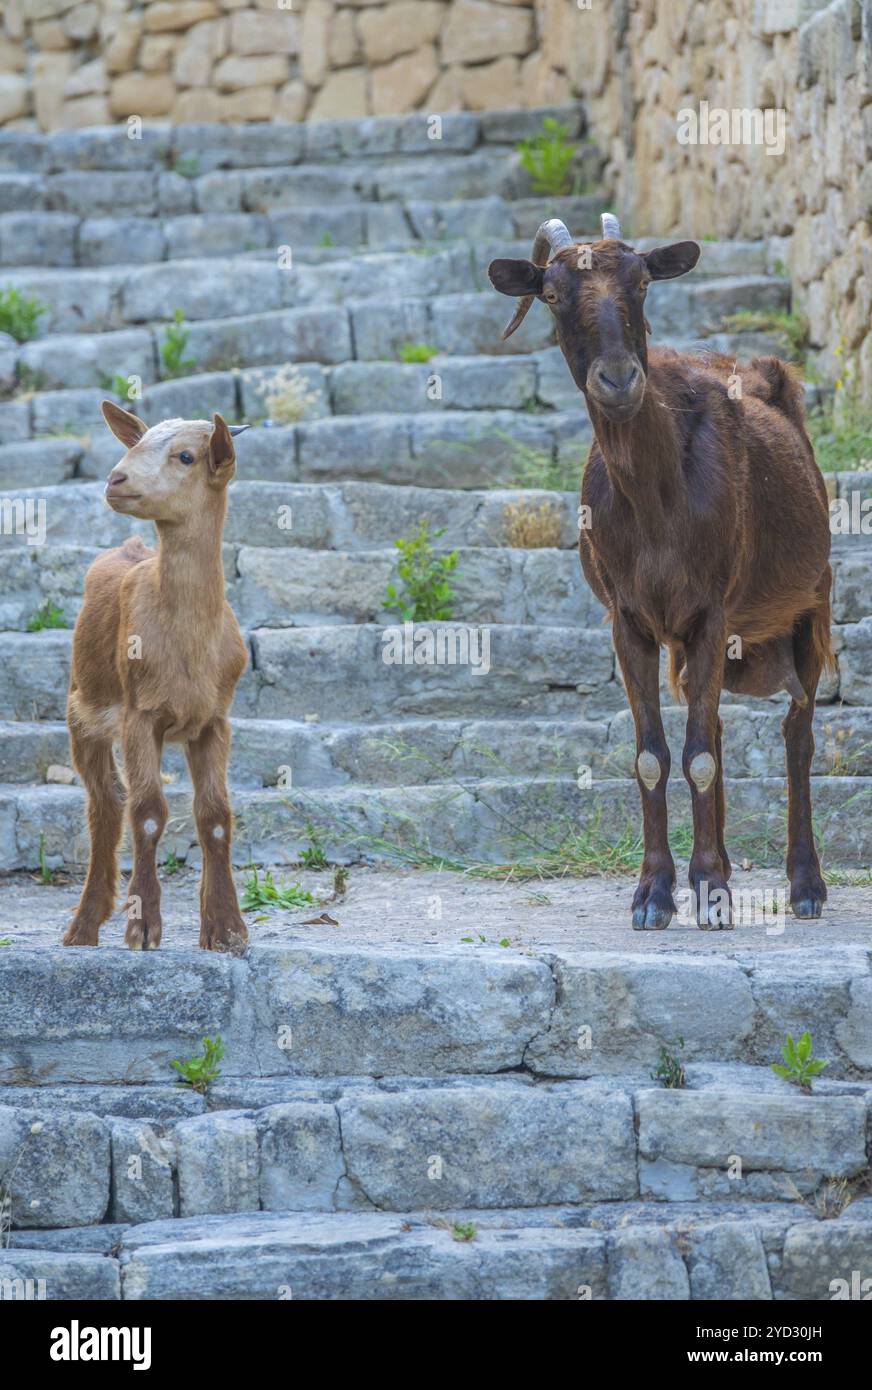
pixel 79 936
pixel 807 907
pixel 717 919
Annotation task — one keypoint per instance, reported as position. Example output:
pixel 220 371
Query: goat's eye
pixel 185 457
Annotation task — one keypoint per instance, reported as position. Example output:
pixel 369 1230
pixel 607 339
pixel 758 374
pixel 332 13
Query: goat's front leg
pixel 653 903
pixel 93 760
pixel 221 924
pixel 702 764
pixel 148 816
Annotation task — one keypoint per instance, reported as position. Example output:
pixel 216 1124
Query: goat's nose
pixel 619 378
pixel 115 479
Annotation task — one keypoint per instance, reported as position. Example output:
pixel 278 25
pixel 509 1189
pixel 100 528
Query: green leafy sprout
pixel 20 314
pixel 799 1065
pixel 172 349
pixel 200 1071
pixel 426 595
pixel 265 892
pixel 547 158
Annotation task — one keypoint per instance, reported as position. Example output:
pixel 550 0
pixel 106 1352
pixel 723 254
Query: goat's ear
pixel 222 453
pixel 516 277
pixel 665 262
pixel 126 427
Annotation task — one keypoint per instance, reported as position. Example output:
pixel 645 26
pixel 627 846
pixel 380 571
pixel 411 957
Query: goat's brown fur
pixel 709 524
pixel 157 654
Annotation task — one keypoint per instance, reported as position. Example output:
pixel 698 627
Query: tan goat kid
pixel 157 654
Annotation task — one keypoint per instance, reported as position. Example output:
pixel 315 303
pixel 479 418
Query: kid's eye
pixel 185 457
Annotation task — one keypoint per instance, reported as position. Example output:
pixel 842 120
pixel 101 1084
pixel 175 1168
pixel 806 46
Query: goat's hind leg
pixel 222 927
pixel 808 891
pixel 95 764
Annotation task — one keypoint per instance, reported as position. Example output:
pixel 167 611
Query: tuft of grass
pixel 464 1231
pixel 800 1067
pixel 200 1071
pixel 286 395
pixel 20 314
pixel 46 875
pixel 842 439
pixel 790 328
pixel 187 166
pixel 5 940
pixel 426 595
pixel 265 892
pixel 172 349
pixel 547 158
pixel 172 865
pixel 47 616
pixel 340 881
pixel 536 468
pixel 326 241
pixel 417 352
pixel 313 856
pixel 669 1070
pixel 528 527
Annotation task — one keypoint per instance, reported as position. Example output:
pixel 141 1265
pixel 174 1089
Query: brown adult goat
pixel 708 535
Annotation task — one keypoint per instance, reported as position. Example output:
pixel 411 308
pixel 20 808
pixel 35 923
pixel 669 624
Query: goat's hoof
pixel 230 941
pixel 652 911
pixel 807 907
pixel 80 936
pixel 718 918
pixel 139 937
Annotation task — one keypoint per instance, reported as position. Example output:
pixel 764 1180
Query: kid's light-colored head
pixel 170 471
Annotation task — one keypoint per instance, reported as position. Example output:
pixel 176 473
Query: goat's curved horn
pixel 611 227
pixel 238 429
pixel 552 236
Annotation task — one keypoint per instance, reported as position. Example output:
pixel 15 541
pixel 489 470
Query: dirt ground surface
pixel 417 908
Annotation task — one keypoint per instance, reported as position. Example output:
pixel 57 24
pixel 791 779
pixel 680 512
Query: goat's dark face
pixel 597 296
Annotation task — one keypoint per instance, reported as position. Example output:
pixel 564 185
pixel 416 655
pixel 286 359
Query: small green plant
pixel 547 158
pixel 5 940
pixel 265 892
pixel 426 596
pixel 20 314
pixel 313 856
pixel 46 875
pixel 417 352
pixel 463 1231
pixel 187 166
pixel 325 241
pixel 48 615
pixel 117 385
pixel 172 865
pixel 199 1072
pixel 172 349
pixel 843 440
pixel 669 1070
pixel 799 1065
pixel 340 881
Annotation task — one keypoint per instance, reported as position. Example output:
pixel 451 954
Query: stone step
pixel 456 323
pixel 318 234
pixel 702 1252
pixel 497 819
pixel 417 752
pixel 364 672
pixel 430 1005
pixel 483 1144
pixel 211 287
pixel 277 587
pixel 449 448
pixel 347 516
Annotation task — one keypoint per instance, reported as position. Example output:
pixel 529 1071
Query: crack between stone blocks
pixel 353 1182
pixel 549 960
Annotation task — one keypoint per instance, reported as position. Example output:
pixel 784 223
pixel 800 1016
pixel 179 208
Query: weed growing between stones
pixel 313 856
pixel 286 395
pixel 199 1072
pixel 20 314
pixel 547 158
pixel 426 595
pixel 531 527
pixel 790 328
pixel 799 1067
pixel 47 616
pixel 172 349
pixel 669 1070
pixel 265 892
pixel 416 352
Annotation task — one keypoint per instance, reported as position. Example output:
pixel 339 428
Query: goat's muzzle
pixel 616 386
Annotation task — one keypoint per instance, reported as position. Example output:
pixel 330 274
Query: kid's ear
pixel 665 262
pixel 516 277
pixel 126 427
pixel 222 453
